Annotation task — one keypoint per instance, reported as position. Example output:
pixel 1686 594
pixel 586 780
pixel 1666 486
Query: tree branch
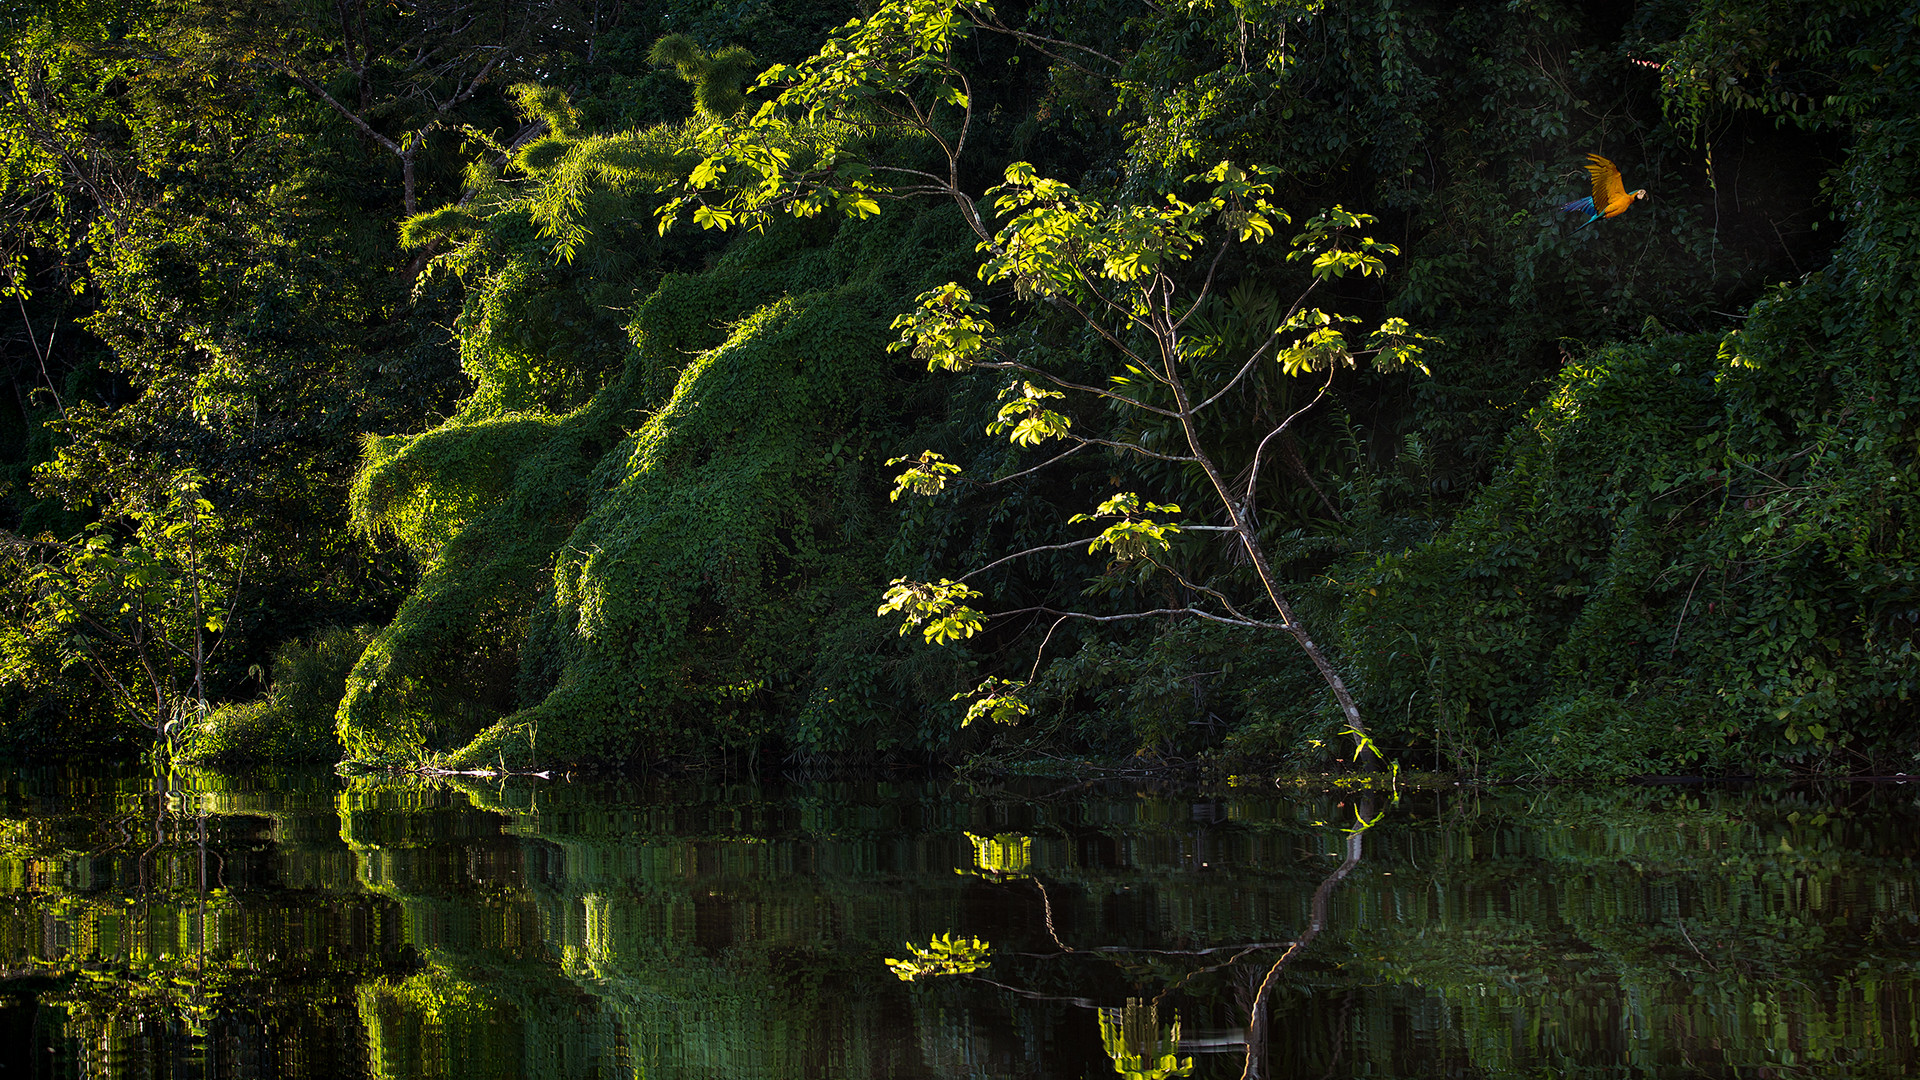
pixel 1255 357
pixel 1024 554
pixel 1215 593
pixel 991 21
pixel 1128 616
pixel 1016 365
pixel 1035 469
pixel 320 92
pixel 1253 474
pixel 1205 286
pixel 1135 447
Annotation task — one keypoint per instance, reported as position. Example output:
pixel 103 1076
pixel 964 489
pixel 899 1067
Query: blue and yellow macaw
pixel 1610 197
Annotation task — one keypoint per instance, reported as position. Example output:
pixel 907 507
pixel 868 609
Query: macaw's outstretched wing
pixel 1609 194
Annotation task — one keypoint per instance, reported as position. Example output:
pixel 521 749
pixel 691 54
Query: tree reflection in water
pixel 295 926
pixel 1140 1048
pixel 1131 1034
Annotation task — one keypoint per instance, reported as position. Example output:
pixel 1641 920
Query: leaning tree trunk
pixel 1243 528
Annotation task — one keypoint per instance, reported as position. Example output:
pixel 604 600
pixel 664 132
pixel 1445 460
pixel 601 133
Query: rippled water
pixel 305 925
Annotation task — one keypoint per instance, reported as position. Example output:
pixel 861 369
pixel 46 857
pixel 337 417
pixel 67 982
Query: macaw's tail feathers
pixel 1583 206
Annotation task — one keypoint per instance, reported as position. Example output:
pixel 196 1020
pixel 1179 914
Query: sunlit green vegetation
pixel 581 356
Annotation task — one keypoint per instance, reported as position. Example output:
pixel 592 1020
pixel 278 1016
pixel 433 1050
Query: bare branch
pixel 1016 365
pixel 1135 447
pixel 1215 593
pixel 320 92
pixel 1042 650
pixel 40 353
pixel 924 121
pixel 991 21
pixel 1205 286
pixel 1111 339
pixel 966 124
pixel 1115 307
pixel 939 180
pixel 1131 615
pixel 1255 357
pixel 1035 469
pixel 1023 554
pixel 1253 475
pixel 474 84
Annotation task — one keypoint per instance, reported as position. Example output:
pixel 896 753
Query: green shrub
pixel 293 722
pixel 656 570
pixel 1602 737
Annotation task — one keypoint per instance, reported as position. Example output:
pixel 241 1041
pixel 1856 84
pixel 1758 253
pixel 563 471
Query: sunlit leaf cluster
pixel 943 954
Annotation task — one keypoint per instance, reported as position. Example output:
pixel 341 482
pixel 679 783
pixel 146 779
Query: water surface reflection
pixel 305 925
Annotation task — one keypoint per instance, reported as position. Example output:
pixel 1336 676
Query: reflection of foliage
pixel 1139 1048
pixel 1734 922
pixel 943 954
pixel 684 917
pixel 1004 855
pixel 188 985
pixel 438 1024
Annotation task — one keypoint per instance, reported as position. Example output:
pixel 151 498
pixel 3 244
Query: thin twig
pixel 38 352
pixel 1022 555
pixel 1017 365
pixel 1253 474
pixel 1255 357
pixel 1036 468
pixel 1042 650
pixel 1042 609
pixel 1674 647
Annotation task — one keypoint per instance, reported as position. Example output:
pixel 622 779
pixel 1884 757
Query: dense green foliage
pixel 292 722
pixel 664 559
pixel 1647 511
pixel 1698 551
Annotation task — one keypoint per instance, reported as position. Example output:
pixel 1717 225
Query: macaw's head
pixel 1641 194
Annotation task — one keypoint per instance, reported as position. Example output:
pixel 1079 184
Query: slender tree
pixel 807 147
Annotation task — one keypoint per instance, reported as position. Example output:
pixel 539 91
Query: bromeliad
pixel 1610 197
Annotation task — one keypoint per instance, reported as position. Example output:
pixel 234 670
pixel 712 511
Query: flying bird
pixel 1610 197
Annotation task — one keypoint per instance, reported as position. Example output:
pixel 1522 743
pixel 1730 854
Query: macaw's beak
pixel 1641 194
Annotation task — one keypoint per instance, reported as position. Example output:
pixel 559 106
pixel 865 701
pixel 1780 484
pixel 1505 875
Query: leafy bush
pixel 293 722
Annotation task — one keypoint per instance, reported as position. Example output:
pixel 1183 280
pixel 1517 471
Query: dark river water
pixel 309 925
